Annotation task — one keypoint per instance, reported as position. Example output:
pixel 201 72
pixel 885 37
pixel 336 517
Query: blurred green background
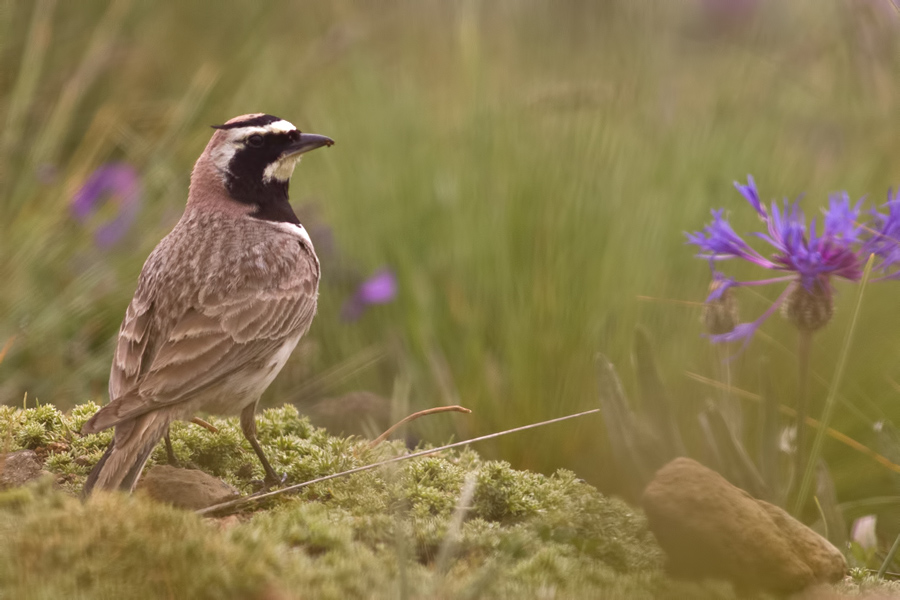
pixel 526 169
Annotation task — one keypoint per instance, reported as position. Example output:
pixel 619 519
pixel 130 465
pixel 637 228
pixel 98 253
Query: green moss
pixel 32 435
pixel 863 584
pixel 372 534
pixel 55 546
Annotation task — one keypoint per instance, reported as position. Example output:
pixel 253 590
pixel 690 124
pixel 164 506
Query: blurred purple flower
pixel 810 259
pixel 115 182
pixel 885 237
pixel 380 288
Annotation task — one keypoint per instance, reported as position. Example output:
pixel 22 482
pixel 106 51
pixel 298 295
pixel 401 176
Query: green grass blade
pixel 889 558
pixel 626 436
pixel 826 500
pixel 30 69
pixel 737 465
pixel 95 59
pixel 769 432
pixel 656 403
pixel 854 509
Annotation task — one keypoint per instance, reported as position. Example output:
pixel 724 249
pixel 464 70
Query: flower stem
pixel 831 400
pixel 804 346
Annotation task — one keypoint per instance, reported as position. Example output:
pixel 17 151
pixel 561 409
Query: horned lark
pixel 221 302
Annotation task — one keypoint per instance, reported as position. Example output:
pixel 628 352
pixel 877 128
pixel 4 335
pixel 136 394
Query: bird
pixel 220 304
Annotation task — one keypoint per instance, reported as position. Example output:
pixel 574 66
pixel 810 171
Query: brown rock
pixel 18 468
pixel 185 488
pixel 710 528
pixel 827 563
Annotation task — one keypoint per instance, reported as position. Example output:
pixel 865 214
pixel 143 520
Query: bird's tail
pixel 124 459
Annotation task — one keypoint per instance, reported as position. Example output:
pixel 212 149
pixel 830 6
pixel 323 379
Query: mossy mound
pixel 373 534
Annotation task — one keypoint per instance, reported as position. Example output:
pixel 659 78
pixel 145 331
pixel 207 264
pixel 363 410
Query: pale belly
pixel 238 392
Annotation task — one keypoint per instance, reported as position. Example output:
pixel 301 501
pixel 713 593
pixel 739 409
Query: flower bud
pixel 809 310
pixel 720 315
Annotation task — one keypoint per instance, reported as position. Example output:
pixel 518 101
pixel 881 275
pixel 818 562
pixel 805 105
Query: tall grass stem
pixel 30 69
pixel 53 133
pixel 889 558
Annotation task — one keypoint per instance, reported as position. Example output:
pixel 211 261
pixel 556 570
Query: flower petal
pixel 841 220
pixel 750 192
pixel 744 331
pixel 718 240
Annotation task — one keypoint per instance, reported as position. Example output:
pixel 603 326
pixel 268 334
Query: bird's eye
pixel 255 140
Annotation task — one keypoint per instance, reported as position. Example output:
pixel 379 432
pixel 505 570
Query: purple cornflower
pixel 380 288
pixel 119 183
pixel 884 240
pixel 810 259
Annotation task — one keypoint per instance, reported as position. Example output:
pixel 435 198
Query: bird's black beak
pixel 307 142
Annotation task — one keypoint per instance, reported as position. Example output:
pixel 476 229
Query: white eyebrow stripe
pixel 281 126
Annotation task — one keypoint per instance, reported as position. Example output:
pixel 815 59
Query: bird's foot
pixel 275 481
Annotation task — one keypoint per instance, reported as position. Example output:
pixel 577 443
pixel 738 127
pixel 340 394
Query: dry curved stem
pixel 6 347
pixel 414 416
pixel 204 424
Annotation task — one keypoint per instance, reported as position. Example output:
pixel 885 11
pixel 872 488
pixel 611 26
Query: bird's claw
pixel 268 482
pixel 276 481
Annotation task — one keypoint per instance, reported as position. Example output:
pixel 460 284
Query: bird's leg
pixel 248 426
pixel 170 453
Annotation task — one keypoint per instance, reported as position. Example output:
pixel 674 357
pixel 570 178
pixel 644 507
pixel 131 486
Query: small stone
pixel 18 468
pixel 710 528
pixel 64 478
pixel 185 488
